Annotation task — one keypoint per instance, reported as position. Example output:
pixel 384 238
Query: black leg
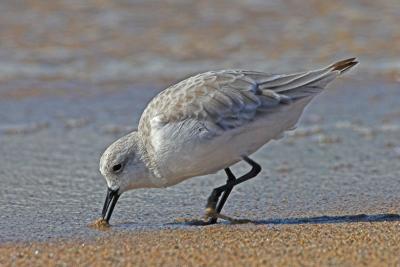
pixel 213 203
pixel 229 186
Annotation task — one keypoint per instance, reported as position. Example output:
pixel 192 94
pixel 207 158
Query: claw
pixel 211 213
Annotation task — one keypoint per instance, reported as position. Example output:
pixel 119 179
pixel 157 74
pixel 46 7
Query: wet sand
pixel 331 244
pixel 339 205
pixel 342 160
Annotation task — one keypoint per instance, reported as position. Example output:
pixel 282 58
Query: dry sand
pixel 342 244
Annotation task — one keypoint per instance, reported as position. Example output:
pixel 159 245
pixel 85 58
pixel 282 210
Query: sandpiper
pixel 207 123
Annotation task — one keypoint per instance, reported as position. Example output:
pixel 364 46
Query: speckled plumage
pixel 230 98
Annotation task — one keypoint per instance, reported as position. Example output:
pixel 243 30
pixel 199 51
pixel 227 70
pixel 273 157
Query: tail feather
pixel 279 81
pixel 308 83
pixel 344 65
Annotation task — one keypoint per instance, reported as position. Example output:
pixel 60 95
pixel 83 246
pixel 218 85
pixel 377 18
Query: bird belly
pixel 187 155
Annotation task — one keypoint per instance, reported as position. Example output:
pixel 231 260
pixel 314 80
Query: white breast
pixel 192 148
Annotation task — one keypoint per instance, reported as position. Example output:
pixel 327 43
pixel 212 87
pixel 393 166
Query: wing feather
pixel 231 98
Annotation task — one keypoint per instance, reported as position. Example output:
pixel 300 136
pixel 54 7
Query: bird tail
pixel 344 65
pixel 309 83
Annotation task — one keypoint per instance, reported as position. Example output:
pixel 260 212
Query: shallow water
pixel 51 186
pixel 142 41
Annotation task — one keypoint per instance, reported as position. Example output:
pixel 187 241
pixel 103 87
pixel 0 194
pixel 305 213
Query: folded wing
pixel 231 98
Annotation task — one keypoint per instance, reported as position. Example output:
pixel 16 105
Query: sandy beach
pixel 74 76
pixel 336 207
pixel 331 244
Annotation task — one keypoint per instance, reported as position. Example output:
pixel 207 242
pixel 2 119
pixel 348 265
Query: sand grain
pixel 343 244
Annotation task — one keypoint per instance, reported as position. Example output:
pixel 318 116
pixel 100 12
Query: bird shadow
pixel 334 219
pixel 387 217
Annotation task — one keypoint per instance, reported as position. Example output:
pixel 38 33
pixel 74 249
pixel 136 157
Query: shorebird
pixel 207 123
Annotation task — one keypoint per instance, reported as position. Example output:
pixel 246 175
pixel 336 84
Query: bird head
pixel 123 167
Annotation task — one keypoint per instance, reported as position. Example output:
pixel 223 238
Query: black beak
pixel 109 203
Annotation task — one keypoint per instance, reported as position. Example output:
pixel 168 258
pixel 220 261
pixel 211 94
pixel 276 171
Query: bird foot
pixel 212 214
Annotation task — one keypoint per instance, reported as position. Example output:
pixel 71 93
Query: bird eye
pixel 117 168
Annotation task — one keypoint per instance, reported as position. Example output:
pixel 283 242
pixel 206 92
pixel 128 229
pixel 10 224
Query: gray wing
pixel 231 98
